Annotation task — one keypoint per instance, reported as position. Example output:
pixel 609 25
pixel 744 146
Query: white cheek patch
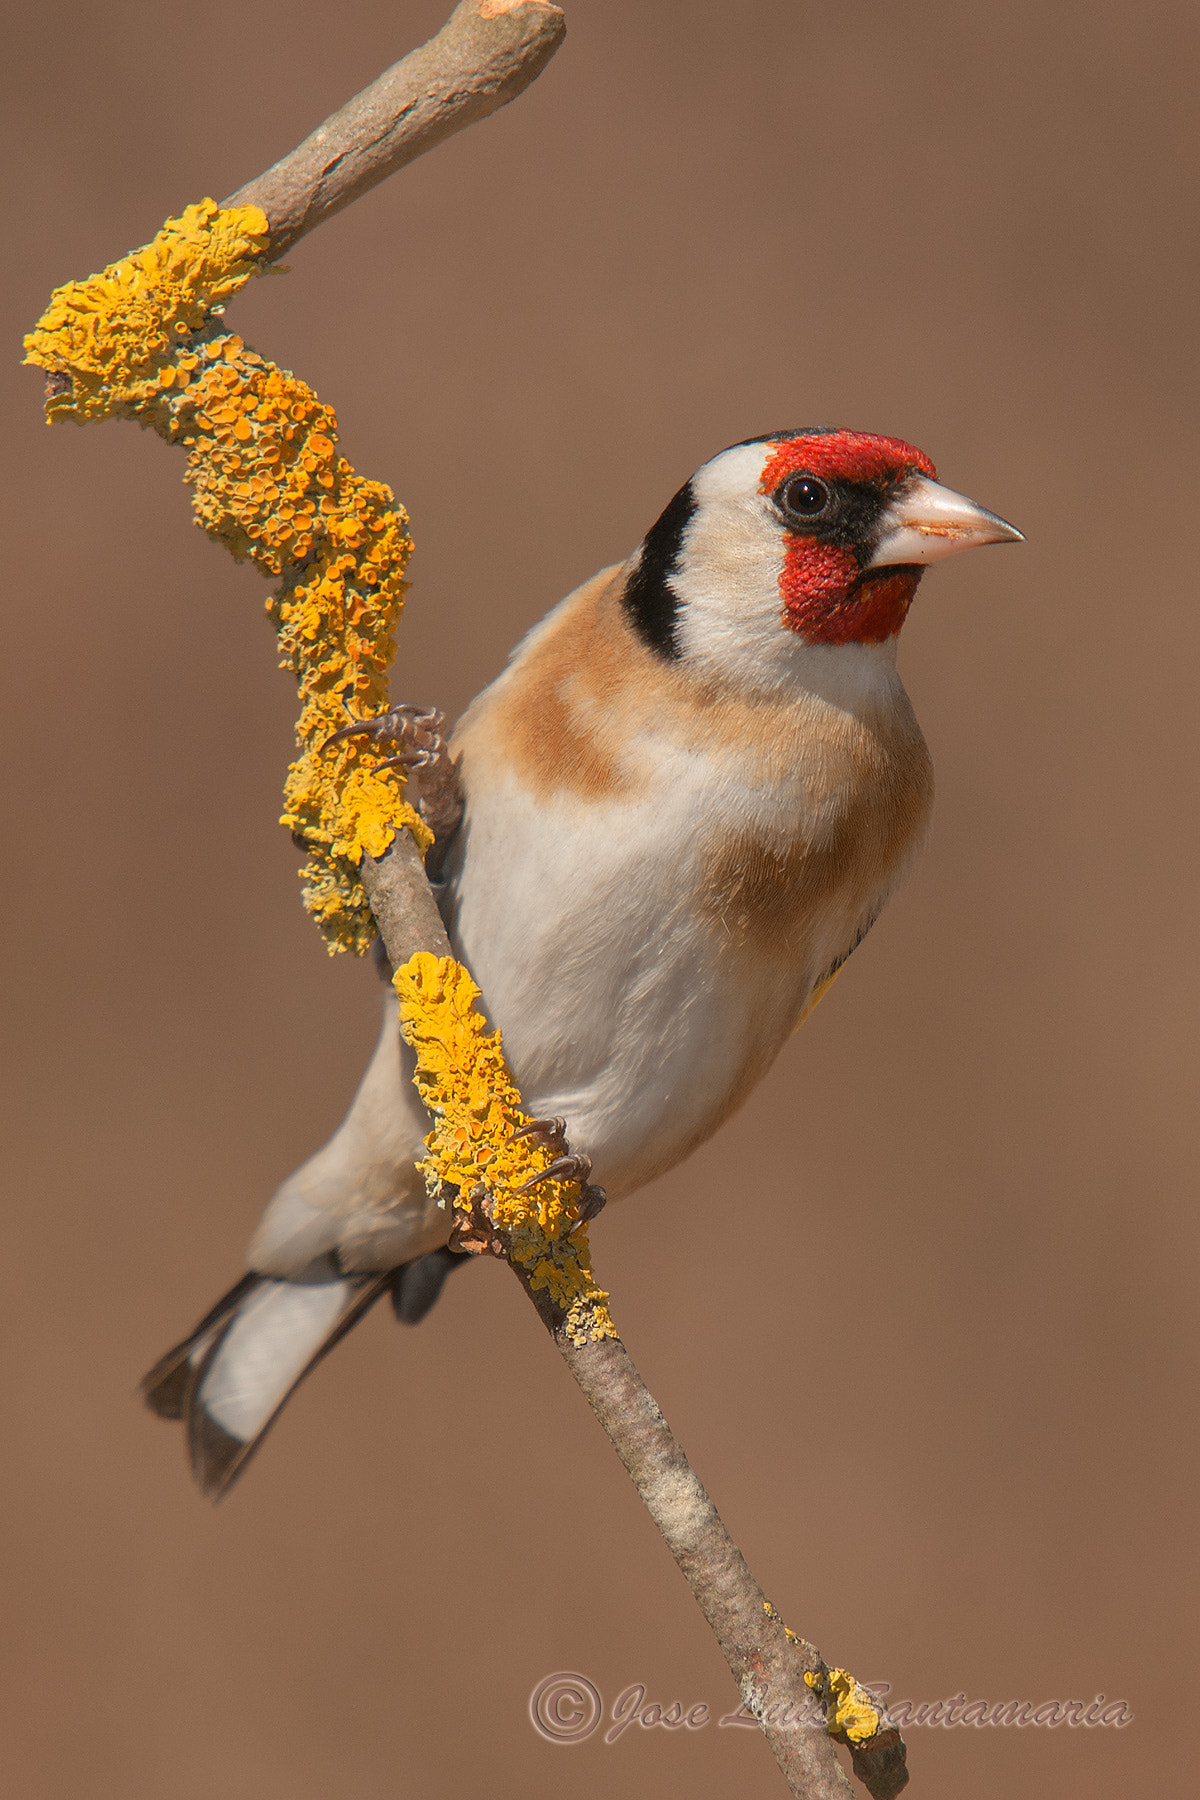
pixel 727 576
pixel 730 625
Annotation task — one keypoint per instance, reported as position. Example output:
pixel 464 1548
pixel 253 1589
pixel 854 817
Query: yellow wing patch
pixel 819 992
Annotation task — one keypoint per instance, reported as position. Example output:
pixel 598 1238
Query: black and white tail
pixel 230 1377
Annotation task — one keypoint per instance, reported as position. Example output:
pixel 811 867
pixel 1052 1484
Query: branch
pixel 486 53
pixel 781 1678
pixel 99 344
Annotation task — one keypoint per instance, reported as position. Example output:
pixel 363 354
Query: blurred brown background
pixel 968 1185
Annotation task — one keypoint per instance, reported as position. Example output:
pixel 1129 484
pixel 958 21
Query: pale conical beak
pixel 926 521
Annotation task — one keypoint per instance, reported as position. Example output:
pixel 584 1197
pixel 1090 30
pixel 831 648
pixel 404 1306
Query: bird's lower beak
pixel 926 521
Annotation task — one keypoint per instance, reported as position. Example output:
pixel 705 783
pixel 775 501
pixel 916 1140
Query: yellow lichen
pixel 114 335
pixel 474 1157
pixel 850 1712
pixel 144 340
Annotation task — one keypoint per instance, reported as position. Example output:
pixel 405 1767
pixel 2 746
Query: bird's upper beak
pixel 926 521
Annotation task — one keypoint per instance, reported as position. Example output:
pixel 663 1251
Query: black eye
pixel 805 496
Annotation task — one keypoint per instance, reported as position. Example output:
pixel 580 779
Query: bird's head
pixel 815 537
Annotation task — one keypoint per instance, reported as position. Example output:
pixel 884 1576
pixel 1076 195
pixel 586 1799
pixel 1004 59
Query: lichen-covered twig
pixel 483 1162
pixel 781 1678
pixel 146 340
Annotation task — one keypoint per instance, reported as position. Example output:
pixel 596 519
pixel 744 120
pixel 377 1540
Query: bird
pixel 661 832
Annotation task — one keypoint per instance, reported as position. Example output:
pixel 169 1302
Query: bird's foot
pixel 569 1166
pixel 564 1165
pixel 572 1167
pixel 553 1133
pixel 422 752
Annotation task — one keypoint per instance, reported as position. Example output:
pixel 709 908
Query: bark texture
pixel 486 53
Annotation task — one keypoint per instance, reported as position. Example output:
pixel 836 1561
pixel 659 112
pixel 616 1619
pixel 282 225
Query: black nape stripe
pixel 649 599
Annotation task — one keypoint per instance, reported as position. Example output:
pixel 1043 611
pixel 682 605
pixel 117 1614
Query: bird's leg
pixel 422 752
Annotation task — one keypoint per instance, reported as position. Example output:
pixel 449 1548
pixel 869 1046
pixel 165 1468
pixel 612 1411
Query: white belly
pixel 622 1008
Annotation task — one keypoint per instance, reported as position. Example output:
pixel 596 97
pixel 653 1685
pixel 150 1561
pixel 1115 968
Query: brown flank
pixel 572 705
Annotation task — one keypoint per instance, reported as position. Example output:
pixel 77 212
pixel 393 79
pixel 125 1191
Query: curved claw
pixel 388 724
pixel 554 1130
pixel 407 759
pixel 356 728
pixel 574 1167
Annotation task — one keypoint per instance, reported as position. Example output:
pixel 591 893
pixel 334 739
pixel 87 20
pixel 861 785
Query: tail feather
pixel 165 1387
pixel 231 1378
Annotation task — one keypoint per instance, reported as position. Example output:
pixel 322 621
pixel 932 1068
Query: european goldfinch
pixel 683 804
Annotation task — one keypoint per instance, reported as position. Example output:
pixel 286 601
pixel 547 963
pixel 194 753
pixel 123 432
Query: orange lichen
pixel 144 340
pixel 474 1155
